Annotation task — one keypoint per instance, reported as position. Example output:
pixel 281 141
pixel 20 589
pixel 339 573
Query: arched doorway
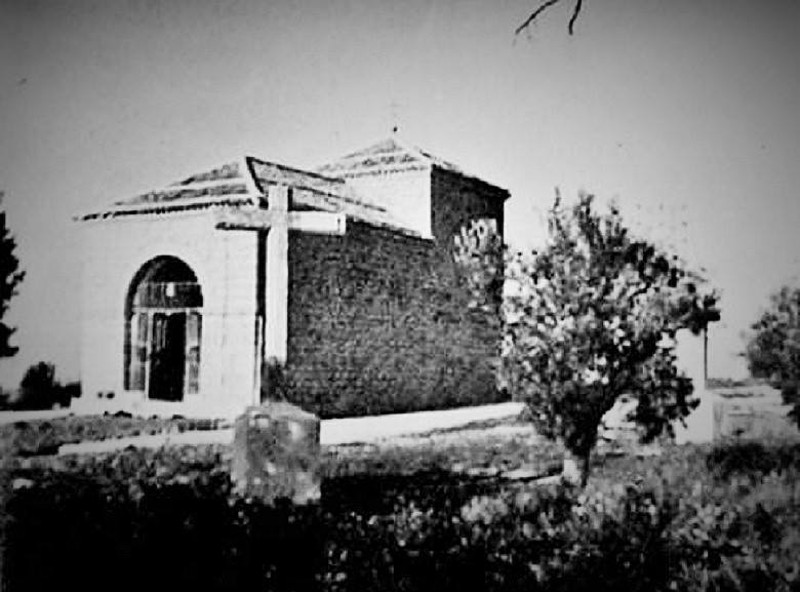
pixel 163 324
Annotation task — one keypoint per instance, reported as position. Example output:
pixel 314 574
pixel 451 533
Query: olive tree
pixel 590 317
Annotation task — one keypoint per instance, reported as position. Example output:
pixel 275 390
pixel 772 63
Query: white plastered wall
pixel 225 265
pixel 405 194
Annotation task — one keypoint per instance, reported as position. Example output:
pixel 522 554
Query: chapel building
pixel 334 288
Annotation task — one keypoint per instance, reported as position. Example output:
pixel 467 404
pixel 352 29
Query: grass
pixel 410 516
pixel 44 437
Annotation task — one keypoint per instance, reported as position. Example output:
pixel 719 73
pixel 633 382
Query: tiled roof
pixel 229 184
pixel 245 184
pixel 321 192
pixel 390 155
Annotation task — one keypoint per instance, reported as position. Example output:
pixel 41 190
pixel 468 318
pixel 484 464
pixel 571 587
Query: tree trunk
pixel 587 466
pixel 571 469
pixel 575 468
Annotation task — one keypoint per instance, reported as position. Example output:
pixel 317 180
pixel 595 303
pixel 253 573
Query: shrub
pixel 772 350
pixel 5 399
pixel 39 389
pixel 753 458
pixel 657 524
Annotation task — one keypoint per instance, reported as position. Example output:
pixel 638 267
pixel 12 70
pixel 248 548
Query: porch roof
pixel 243 184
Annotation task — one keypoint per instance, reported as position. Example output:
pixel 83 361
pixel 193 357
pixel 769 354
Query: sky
pixel 686 113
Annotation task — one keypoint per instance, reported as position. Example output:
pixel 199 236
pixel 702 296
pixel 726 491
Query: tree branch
pixel 544 6
pixel 574 17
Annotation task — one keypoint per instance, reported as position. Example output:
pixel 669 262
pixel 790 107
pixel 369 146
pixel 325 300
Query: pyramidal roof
pixel 387 156
pixel 228 184
pixel 243 184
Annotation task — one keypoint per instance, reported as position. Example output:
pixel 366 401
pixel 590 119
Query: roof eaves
pixel 475 179
pixel 402 230
pixel 231 184
pixel 355 173
pixel 226 172
pixel 166 207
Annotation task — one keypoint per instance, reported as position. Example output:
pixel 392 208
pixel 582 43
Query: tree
pixel 773 350
pixel 39 388
pixel 10 277
pixel 576 11
pixel 592 316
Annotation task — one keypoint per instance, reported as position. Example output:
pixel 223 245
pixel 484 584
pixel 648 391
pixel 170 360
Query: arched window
pixel 163 324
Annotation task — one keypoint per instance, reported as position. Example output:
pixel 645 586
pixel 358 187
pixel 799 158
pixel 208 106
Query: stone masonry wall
pixel 377 324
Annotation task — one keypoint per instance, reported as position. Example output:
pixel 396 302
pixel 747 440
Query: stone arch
pixel 163 324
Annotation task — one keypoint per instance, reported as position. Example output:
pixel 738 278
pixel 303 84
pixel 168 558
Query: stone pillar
pixel 276 454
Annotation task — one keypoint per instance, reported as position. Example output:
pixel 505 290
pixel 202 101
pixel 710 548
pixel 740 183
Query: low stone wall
pixel 333 432
pixel 15 416
pixel 753 420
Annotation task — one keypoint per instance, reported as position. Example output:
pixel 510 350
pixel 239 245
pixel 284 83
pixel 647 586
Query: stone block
pixel 276 454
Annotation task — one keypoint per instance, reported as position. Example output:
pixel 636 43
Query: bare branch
pixel 544 6
pixel 575 13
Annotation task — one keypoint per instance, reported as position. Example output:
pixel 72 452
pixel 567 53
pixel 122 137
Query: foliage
pixel 10 277
pixel 754 458
pixel 39 389
pixel 5 399
pixel 592 316
pixel 658 524
pixel 773 351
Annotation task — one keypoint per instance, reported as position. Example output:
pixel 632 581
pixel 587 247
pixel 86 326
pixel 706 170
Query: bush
pixel 38 387
pixel 657 524
pixel 40 390
pixel 5 399
pixel 753 458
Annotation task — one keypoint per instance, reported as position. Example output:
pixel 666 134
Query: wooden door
pixel 167 356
